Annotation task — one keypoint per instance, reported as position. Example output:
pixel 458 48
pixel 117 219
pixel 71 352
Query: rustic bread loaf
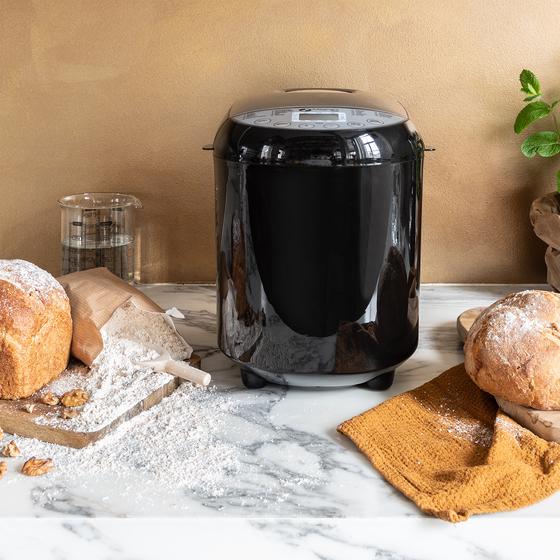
pixel 35 328
pixel 512 350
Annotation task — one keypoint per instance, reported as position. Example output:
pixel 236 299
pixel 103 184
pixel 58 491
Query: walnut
pixel 37 467
pixel 3 468
pixel 76 397
pixel 68 414
pixel 11 450
pixel 29 407
pixel 1 433
pixel 50 399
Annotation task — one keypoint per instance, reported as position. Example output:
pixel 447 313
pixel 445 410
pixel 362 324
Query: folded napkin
pixel 449 449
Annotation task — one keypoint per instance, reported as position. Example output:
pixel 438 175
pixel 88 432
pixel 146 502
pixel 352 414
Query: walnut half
pixel 76 397
pixel 11 450
pixel 37 467
pixel 3 468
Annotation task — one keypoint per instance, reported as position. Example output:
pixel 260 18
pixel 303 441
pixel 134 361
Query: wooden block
pixel 466 320
pixel 15 420
pixel 544 423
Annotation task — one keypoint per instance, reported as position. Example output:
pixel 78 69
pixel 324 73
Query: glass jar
pixel 98 229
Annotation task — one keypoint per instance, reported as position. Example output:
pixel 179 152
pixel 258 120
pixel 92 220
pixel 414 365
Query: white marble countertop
pixel 304 490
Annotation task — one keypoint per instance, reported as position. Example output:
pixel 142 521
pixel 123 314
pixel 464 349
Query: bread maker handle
pixel 344 90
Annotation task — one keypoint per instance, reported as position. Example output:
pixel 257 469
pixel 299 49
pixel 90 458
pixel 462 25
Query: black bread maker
pixel 318 207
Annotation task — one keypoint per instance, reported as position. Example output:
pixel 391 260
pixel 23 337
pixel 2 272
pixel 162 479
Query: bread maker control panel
pixel 319 118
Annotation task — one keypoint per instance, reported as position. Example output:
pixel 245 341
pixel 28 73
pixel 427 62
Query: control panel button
pixel 317 118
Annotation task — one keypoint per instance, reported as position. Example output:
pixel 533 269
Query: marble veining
pixel 303 490
pixel 277 539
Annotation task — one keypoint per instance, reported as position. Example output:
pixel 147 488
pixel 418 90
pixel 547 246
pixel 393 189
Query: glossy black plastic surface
pixel 318 238
pixel 274 147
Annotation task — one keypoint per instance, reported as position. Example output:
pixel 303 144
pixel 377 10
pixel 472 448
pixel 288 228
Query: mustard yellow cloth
pixel 449 449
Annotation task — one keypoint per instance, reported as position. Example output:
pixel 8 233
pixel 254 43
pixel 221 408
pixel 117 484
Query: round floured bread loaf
pixel 35 328
pixel 512 350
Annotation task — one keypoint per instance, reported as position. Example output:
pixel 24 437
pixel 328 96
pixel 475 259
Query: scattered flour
pixel 472 430
pixel 520 319
pixel 480 434
pixel 452 420
pixel 115 383
pixel 469 430
pixel 29 279
pixel 173 445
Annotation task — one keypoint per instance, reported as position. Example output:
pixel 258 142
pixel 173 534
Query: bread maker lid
pixel 302 108
pixel 327 127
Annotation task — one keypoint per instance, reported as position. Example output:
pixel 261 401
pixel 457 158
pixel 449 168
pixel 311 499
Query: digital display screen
pixel 318 116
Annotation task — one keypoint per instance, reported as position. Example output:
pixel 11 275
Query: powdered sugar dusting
pixel 115 382
pixel 29 278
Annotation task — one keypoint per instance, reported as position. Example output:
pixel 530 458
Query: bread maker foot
pixel 381 382
pixel 251 380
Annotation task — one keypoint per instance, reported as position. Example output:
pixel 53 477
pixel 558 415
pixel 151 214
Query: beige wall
pixel 121 95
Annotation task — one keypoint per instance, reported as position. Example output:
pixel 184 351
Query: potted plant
pixel 545 211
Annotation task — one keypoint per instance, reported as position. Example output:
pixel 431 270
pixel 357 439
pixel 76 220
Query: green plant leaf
pixel 558 181
pixel 529 114
pixel 545 144
pixel 529 83
pixel 531 97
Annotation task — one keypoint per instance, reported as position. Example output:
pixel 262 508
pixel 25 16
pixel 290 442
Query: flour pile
pixel 114 382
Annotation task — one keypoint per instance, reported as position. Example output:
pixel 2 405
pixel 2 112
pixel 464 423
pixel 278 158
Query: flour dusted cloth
pixel 448 448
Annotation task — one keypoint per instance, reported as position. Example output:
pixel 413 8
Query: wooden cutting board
pixel 15 420
pixel 544 423
pixel 466 319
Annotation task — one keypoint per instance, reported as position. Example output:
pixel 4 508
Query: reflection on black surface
pixel 318 236
pixel 317 267
pixel 392 300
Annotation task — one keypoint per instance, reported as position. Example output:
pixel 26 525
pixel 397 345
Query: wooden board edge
pixel 466 319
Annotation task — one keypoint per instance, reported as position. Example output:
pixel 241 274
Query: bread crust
pixel 512 350
pixel 35 329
